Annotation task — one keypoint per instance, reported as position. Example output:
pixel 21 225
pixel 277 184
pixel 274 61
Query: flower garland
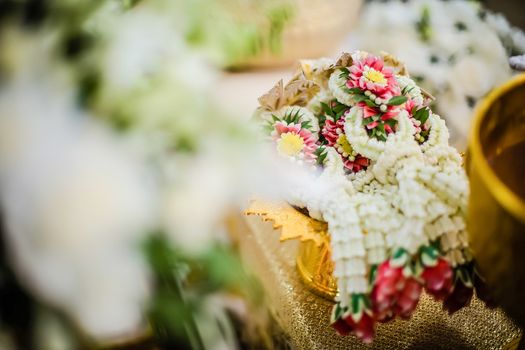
pixel 393 192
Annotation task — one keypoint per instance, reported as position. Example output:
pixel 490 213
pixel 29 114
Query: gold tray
pixel 305 316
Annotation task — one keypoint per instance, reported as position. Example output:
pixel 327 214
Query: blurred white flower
pixel 218 181
pixel 76 198
pixel 76 206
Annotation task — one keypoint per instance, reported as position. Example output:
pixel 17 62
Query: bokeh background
pixel 126 144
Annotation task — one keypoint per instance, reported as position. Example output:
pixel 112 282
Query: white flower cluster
pixel 457 50
pixel 411 194
pixel 336 85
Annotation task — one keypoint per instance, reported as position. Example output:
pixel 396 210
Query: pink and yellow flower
pixel 294 141
pixel 334 134
pixel 370 74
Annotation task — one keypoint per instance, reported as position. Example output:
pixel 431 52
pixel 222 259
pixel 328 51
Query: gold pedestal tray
pixel 305 316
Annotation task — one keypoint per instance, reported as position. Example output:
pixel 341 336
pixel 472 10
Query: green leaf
pixel 340 114
pixel 422 115
pixel 359 98
pixel 391 122
pixel 340 107
pixel 321 154
pixel 369 103
pixel 326 109
pixel 338 312
pixel 465 277
pixel 399 258
pixel 358 306
pixel 344 73
pixel 354 90
pixel 372 275
pixel 397 100
pixel 425 116
pixel 292 117
pixel 428 260
pixel 406 90
pixel 367 303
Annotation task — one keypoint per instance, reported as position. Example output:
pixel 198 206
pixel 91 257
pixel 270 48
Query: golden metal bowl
pixel 496 213
pixel 315 266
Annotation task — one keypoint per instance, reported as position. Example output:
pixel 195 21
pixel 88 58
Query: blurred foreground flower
pixel 108 134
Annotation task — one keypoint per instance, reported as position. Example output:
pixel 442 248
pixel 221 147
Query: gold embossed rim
pixel 505 196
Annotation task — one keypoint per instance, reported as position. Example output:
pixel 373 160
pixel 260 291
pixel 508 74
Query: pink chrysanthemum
pixel 294 141
pixel 372 75
pixel 334 134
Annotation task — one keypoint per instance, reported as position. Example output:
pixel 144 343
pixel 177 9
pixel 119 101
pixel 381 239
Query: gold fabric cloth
pixel 305 317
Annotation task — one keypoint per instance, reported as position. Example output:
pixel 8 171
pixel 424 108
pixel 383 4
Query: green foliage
pixel 407 89
pixel 334 109
pixel 183 282
pixel 293 116
pixel 379 132
pixel 321 155
pixel 397 100
pixel 233 31
pixel 421 114
pixel 278 17
pixel 465 274
pixel 372 275
pixel 345 73
pixel 423 26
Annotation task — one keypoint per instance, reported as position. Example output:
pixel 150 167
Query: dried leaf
pixel 299 92
pixel 427 94
pixel 391 61
pixel 293 224
pixel 306 70
pixel 345 60
pixel 273 98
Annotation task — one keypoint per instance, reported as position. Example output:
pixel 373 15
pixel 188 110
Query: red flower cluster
pixel 330 130
pixel 363 327
pixel 394 294
pixel 439 279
